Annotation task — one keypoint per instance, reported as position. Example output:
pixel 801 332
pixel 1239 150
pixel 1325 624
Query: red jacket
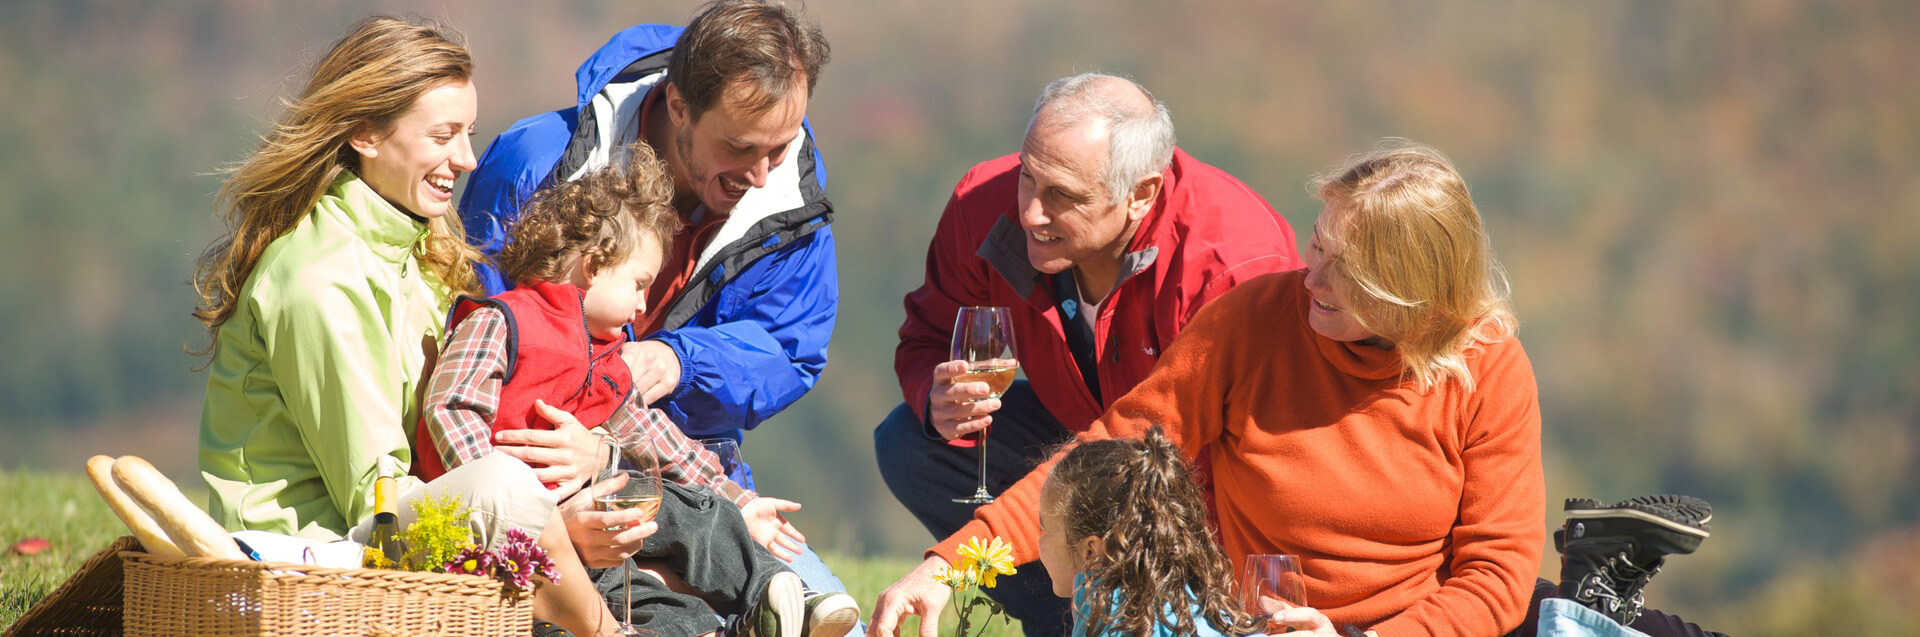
pixel 550 357
pixel 1207 233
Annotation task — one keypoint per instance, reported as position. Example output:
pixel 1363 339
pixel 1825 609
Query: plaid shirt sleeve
pixel 465 393
pixel 682 460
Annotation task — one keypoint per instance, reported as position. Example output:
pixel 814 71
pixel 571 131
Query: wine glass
pixel 1270 584
pixel 983 337
pixel 619 486
pixel 727 450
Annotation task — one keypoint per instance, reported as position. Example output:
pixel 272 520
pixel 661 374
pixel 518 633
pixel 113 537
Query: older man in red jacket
pixel 1104 240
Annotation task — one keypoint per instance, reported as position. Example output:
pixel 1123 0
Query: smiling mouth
pixel 1324 307
pixel 442 185
pixel 732 189
pixel 1043 238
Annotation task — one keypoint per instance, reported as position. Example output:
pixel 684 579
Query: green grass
pixel 64 509
pixel 866 577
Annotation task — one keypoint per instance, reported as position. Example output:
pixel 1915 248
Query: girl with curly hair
pixel 1123 533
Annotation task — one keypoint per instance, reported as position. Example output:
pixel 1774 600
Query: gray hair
pixel 1139 143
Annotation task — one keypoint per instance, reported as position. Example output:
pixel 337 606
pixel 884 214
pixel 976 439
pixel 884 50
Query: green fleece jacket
pixel 318 371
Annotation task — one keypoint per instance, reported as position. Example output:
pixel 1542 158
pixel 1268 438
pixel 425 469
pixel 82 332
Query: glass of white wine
pixel 983 337
pixel 632 484
pixel 1269 584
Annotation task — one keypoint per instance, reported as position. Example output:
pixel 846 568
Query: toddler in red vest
pixel 582 256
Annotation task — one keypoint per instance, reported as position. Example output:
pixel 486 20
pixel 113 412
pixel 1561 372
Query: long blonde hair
pixel 1408 238
pixel 368 79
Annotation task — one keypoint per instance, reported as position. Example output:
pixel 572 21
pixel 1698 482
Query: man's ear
pixel 677 107
pixel 1145 193
pixel 365 141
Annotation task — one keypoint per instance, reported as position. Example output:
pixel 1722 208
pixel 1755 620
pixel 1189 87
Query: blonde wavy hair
pixel 1417 266
pixel 600 215
pixel 367 80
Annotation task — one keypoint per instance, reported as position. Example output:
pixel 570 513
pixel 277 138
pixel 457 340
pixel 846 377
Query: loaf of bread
pixel 100 470
pixel 191 529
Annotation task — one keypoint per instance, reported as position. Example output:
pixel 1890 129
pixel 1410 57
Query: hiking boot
pixel 831 614
pixel 781 610
pixel 1609 552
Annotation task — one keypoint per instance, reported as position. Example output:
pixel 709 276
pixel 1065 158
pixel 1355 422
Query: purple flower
pixel 516 562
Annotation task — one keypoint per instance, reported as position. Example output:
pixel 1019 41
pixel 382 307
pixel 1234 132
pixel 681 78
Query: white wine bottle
pixel 385 536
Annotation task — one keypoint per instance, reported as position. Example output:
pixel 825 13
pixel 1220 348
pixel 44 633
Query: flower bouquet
pixel 439 541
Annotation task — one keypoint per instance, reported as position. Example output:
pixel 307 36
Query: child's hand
pixel 655 369
pixel 772 531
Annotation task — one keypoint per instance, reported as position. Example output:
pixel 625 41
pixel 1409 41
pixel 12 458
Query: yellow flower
pixel 371 557
pixel 993 559
pixel 953 579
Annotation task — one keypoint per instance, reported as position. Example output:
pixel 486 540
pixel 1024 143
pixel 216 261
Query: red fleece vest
pixel 550 357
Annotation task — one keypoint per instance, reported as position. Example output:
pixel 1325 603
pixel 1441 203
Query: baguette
pixel 191 529
pixel 100 470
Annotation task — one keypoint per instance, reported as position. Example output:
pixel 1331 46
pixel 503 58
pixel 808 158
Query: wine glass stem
pixel 983 462
pixel 626 571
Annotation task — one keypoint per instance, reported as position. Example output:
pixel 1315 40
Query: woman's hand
pixel 564 458
pixel 772 531
pixel 1303 621
pixel 604 539
pixel 918 593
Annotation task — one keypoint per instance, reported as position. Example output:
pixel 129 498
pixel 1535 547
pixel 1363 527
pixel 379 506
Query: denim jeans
pixel 1549 614
pixel 1567 618
pixel 926 474
pixel 812 570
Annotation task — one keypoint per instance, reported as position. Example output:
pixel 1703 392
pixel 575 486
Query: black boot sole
pixel 1681 520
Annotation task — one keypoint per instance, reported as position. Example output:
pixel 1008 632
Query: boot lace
pixel 1615 588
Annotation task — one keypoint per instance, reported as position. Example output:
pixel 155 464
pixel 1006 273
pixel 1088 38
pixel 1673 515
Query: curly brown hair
pixel 1138 497
pixel 599 215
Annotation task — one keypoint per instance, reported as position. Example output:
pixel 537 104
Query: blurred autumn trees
pixel 1709 213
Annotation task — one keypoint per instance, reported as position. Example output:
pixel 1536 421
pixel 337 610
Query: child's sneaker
pixel 831 614
pixel 780 611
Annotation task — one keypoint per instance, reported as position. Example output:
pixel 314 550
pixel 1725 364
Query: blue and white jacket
pixel 751 327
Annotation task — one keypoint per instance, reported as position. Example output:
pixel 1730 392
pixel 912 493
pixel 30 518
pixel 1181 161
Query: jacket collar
pixel 1005 248
pixel 626 48
pixel 391 234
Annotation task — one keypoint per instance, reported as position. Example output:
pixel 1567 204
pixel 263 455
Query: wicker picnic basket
pixel 198 596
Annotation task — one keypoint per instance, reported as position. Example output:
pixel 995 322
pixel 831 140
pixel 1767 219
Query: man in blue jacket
pixel 744 304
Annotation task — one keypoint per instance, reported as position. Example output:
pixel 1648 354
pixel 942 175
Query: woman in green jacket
pixel 326 301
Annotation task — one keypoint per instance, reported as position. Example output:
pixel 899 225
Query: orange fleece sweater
pixel 1416 514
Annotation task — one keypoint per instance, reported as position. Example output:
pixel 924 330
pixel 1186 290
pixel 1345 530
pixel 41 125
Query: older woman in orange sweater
pixel 1373 413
